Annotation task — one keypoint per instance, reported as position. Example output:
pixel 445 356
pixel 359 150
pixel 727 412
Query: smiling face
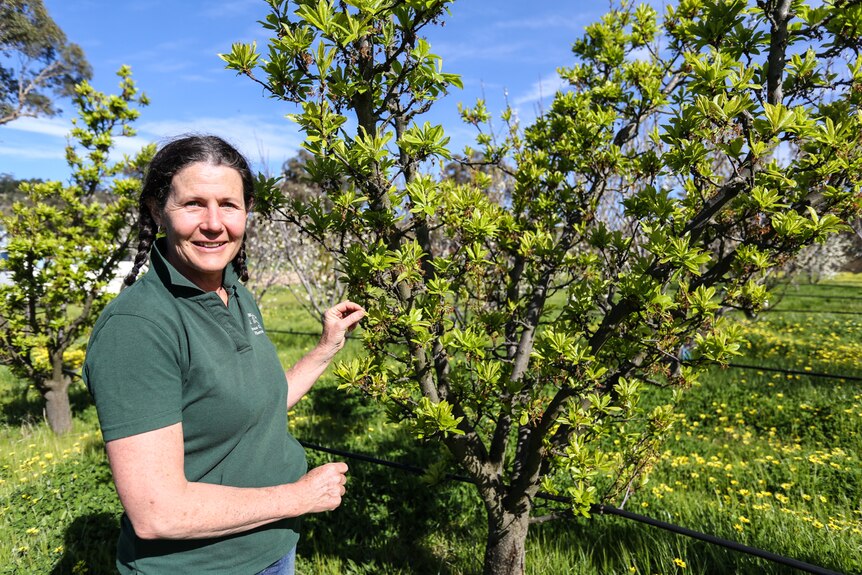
pixel 204 220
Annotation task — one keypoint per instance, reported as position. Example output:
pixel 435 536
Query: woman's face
pixel 204 220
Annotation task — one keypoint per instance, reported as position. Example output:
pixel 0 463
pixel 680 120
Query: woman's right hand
pixel 323 487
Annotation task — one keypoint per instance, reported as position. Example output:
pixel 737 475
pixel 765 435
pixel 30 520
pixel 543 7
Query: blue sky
pixel 501 48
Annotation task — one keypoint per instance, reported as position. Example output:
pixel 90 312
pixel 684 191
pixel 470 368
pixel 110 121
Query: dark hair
pixel 168 161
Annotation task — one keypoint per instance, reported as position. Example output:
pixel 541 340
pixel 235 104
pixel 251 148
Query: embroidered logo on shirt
pixel 254 323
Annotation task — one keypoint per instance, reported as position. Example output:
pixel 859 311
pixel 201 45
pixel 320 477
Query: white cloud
pixel 473 51
pixel 57 127
pixel 542 91
pixel 33 153
pixel 128 146
pixel 265 141
pixel 543 23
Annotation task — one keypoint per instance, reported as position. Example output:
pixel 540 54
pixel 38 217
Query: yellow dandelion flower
pixel 817 524
pixel 679 562
pixel 737 526
pixel 32 531
pixel 743 519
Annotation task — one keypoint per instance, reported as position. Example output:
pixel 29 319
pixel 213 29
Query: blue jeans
pixel 283 566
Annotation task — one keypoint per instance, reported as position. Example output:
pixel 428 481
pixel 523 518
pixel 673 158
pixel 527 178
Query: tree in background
pixel 36 61
pixel 820 261
pixel 64 245
pixel 10 189
pixel 279 254
pixel 689 156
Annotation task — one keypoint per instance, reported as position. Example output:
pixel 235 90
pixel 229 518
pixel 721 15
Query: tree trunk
pixel 58 412
pixel 505 553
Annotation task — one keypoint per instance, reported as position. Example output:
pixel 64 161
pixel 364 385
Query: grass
pixel 764 458
pixel 770 459
pixel 58 508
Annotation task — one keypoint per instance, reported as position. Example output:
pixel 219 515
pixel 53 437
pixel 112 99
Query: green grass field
pixel 766 458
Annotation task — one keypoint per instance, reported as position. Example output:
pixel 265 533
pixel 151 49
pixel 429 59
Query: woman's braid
pixel 239 263
pixel 146 236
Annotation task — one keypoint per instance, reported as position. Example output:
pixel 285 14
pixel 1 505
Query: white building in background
pixel 4 275
pixel 116 284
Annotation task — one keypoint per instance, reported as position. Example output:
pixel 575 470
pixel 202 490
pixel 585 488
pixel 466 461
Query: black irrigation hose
pixel 600 510
pixel 815 296
pixel 833 285
pixel 734 365
pixel 308 333
pixel 291 332
pixel 818 311
pixel 726 543
pixel 795 372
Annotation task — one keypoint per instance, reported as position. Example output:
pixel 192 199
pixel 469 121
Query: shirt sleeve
pixel 134 374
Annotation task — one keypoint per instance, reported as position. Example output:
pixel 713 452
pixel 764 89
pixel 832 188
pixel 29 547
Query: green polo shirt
pixel 165 352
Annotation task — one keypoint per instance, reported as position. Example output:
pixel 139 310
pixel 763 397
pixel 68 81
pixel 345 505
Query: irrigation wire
pixel 733 365
pixel 817 296
pixel 833 285
pixel 599 510
pixel 308 333
pixel 291 332
pixel 818 311
pixel 795 372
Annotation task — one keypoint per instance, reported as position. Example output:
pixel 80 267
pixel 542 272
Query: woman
pixel 192 400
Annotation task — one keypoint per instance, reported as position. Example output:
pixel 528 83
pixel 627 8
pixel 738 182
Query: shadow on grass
pixel 390 520
pixel 90 545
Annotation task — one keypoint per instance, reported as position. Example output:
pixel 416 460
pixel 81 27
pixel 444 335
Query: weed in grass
pixel 59 506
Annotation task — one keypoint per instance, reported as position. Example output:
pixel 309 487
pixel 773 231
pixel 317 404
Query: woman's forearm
pixel 202 510
pixel 161 504
pixel 305 372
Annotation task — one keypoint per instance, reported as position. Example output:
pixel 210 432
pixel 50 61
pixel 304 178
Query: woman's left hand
pixel 338 321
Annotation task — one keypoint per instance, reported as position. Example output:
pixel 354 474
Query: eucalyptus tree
pixel 689 154
pixel 37 63
pixel 64 245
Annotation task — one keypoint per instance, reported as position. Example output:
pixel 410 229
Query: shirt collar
pixel 170 275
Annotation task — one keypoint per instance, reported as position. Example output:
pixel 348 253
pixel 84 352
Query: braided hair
pixel 168 161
